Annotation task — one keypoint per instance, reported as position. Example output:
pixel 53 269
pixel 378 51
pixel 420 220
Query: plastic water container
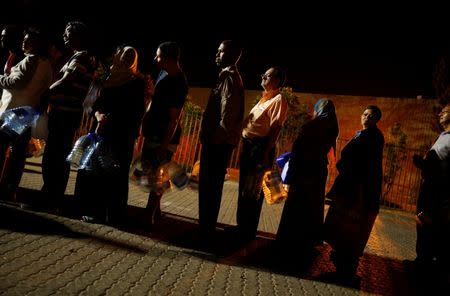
pixel 105 158
pixel 98 158
pixel 15 121
pixel 177 175
pixel 76 154
pixel 148 179
pixel 86 162
pixel 273 189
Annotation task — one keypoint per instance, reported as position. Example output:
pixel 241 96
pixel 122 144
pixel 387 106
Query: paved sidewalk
pixel 45 254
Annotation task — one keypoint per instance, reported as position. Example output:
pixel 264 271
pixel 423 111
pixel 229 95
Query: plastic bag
pixel 194 178
pixel 274 191
pixel 283 159
pixel 35 147
pixel 177 175
pixel 284 172
pixel 149 178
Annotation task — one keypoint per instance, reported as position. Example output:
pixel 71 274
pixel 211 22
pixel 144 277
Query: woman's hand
pixel 100 116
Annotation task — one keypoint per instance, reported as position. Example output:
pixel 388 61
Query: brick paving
pixel 46 254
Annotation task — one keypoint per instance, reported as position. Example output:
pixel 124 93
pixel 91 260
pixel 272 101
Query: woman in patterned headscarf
pixel 302 219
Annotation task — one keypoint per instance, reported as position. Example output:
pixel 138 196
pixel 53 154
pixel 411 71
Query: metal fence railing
pixel 401 180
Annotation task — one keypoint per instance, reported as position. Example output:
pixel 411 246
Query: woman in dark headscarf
pixel 302 219
pixel 355 195
pixel 118 111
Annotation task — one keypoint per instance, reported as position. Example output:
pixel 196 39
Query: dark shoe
pixel 232 230
pixel 348 279
pixel 410 265
pixel 418 265
pixel 203 240
pixel 7 193
pixel 239 234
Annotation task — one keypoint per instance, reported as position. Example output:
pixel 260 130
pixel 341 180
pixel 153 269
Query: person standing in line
pixel 301 222
pixel 355 195
pixel 433 205
pixel 23 86
pixel 161 123
pixel 11 40
pixel 118 111
pixel 65 101
pixel 261 130
pixel 220 133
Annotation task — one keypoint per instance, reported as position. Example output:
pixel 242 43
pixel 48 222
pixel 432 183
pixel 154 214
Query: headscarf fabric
pixel 124 66
pixel 325 110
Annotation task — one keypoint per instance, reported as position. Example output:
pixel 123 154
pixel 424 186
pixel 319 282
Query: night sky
pixel 366 53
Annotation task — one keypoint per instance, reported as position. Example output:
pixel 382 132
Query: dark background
pixel 340 50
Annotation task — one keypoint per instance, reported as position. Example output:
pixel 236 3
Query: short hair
pixel 81 30
pixel 234 48
pixel 15 35
pixel 170 50
pixel 280 74
pixel 376 111
pixel 13 30
pixel 40 40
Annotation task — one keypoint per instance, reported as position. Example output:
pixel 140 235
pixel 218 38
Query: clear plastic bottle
pixel 15 121
pixel 76 154
pixel 105 158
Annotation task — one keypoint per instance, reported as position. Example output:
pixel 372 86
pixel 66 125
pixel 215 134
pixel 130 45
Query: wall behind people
pixel 415 116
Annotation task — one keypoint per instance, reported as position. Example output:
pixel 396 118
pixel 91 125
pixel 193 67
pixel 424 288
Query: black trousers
pixel 213 167
pixel 13 170
pixel 62 126
pixel 251 197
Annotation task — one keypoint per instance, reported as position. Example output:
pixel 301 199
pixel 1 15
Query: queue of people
pixel 120 114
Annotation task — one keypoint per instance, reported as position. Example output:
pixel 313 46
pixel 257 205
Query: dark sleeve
pixel 99 104
pixel 372 169
pixel 230 106
pixel 179 92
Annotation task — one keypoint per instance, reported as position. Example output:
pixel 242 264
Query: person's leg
pixel 55 169
pixel 424 245
pixel 346 264
pixel 89 196
pixel 213 163
pixel 159 185
pixel 116 200
pixel 5 142
pixel 13 172
pixel 154 206
pixel 250 196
